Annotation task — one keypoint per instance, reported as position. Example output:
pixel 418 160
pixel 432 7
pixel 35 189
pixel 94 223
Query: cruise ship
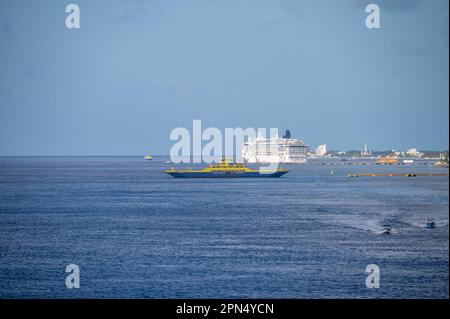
pixel 275 150
pixel 225 169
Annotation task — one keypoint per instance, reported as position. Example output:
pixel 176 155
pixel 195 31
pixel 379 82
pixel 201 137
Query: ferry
pixel 430 223
pixel 225 169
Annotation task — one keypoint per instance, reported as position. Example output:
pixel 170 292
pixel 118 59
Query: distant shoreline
pixel 314 158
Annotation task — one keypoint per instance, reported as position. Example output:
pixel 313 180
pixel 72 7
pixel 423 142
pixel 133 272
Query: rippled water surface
pixel 136 232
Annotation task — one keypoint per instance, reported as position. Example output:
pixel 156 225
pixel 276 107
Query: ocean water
pixel 135 232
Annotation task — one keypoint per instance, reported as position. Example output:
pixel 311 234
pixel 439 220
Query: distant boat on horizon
pixel 148 157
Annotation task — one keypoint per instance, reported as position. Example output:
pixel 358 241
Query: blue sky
pixel 137 69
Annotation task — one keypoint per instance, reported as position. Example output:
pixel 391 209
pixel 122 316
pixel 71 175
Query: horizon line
pixel 140 155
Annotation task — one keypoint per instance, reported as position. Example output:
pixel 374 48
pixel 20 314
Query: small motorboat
pixel 386 231
pixel 430 223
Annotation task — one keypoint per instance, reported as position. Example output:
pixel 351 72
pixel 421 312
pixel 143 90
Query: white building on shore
pixel 365 152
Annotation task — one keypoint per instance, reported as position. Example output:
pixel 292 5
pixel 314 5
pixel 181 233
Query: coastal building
pixel 365 152
pixel 275 150
pixel 321 150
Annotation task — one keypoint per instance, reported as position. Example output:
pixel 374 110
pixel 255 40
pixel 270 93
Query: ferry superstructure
pixel 275 150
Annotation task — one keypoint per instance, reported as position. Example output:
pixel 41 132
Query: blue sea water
pixel 136 232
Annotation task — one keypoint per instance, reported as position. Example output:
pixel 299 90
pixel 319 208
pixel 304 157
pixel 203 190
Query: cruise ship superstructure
pixel 275 150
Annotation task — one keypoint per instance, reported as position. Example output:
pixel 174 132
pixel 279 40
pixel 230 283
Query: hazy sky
pixel 137 69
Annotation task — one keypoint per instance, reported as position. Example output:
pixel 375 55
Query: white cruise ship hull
pixel 269 160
